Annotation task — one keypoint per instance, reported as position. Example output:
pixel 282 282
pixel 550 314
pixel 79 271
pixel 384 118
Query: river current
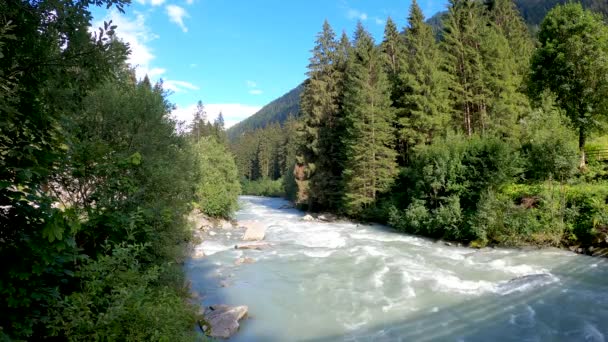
pixel 348 282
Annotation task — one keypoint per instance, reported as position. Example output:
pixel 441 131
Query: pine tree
pixel 198 125
pixel 425 98
pixel 393 48
pixel 370 164
pixel 320 106
pixel 219 130
pixel 486 86
pixel 462 43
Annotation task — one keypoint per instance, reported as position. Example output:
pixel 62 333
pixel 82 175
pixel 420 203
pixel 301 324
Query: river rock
pixel 224 320
pixel 199 220
pixel 212 233
pixel 198 253
pixel 241 261
pixel 224 224
pixel 327 217
pixel 308 218
pixel 253 245
pixel 255 232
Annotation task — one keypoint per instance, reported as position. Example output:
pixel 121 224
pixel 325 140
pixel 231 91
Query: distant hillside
pixel 276 111
pixel 533 11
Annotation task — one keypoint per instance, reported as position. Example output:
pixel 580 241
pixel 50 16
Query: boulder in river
pixel 308 218
pixel 255 232
pixel 224 224
pixel 198 253
pixel 223 320
pixel 327 217
pixel 253 245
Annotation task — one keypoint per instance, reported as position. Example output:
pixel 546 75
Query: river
pixel 348 282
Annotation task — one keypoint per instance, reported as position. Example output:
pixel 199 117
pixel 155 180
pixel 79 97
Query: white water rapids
pixel 348 282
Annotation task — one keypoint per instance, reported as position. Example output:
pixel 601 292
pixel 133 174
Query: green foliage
pixel 572 62
pixel 445 183
pixel 217 187
pixel 122 299
pixel 370 166
pixel 548 145
pixel 264 187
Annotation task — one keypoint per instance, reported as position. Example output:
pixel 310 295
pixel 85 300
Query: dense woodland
pixel 95 184
pixel 476 133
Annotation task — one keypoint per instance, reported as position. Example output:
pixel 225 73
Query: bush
pixel 263 187
pixel 446 180
pixel 549 146
pixel 122 299
pixel 217 188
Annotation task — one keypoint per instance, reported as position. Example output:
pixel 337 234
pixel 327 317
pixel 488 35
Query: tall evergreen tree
pixel 199 122
pixel 320 105
pixel 370 164
pixel 461 43
pixel 425 99
pixel 392 47
pixel 486 81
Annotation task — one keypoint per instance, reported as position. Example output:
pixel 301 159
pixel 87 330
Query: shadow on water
pixel 547 313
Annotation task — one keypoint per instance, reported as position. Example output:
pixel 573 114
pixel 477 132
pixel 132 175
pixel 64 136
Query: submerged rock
pixel 253 245
pixel 223 320
pixel 224 224
pixel 525 283
pixel 241 261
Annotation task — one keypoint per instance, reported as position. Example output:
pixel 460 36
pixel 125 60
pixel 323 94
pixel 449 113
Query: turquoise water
pixel 348 282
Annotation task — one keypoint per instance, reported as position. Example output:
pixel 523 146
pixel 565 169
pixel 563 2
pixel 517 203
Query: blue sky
pixel 238 55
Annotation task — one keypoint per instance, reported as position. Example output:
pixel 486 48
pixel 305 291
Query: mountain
pixel 276 111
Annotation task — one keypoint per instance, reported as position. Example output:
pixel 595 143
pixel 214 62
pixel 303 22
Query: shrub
pixel 263 187
pixel 122 299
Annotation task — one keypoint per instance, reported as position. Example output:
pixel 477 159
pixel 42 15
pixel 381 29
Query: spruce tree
pixel 486 79
pixel 392 48
pixel 425 97
pixel 320 106
pixel 463 28
pixel 370 166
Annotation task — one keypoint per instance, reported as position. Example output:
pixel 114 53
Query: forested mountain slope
pixel 276 111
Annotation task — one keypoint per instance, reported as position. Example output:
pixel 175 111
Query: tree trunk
pixel 581 147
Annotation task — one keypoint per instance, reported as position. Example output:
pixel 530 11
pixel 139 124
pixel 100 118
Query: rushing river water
pixel 347 282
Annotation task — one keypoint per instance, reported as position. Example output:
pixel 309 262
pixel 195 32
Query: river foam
pixel 342 281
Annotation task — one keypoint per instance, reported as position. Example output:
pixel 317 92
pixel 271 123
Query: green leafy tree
pixel 218 188
pixel 572 62
pixel 370 164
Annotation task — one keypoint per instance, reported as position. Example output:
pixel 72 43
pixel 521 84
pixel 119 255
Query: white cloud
pixel 154 72
pixel 193 65
pixel 179 86
pixel 176 15
pixel 232 112
pixel 356 14
pixel 255 92
pixel 251 84
pixel 134 32
pixel 379 21
pixel 189 2
pixel 151 2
